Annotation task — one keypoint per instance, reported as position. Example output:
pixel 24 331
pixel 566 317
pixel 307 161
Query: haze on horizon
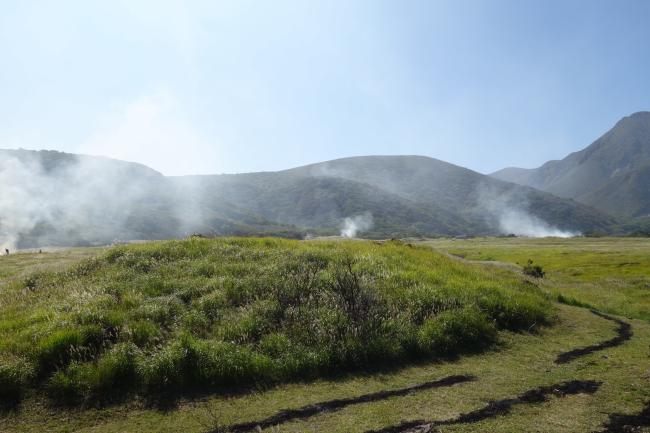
pixel 210 87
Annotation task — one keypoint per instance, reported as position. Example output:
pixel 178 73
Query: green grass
pixel 610 274
pixel 518 362
pixel 177 316
pixel 522 361
pixel 19 265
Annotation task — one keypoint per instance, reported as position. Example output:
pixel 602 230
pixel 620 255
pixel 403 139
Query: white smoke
pixel 508 209
pixel 521 223
pixel 351 226
pixel 18 208
pixel 52 198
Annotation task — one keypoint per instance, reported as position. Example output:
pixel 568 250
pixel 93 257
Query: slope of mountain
pixel 60 199
pixel 323 202
pixel 406 195
pixel 611 174
pixel 54 198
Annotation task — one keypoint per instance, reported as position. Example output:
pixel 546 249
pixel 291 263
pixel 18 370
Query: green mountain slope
pixel 76 200
pixel 476 198
pixel 610 174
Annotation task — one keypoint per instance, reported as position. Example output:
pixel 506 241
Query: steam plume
pixel 52 198
pixel 355 224
pixel 508 210
pixel 521 223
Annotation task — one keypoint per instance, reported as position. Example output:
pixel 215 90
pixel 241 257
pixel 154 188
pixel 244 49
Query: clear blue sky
pixel 210 87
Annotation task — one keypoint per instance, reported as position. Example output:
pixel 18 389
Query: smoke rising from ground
pixel 351 226
pixel 51 198
pixel 521 223
pixel 55 199
pixel 508 212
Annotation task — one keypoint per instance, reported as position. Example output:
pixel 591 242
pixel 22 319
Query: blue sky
pixel 211 87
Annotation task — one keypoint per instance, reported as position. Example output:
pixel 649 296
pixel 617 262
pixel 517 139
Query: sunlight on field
pixel 610 274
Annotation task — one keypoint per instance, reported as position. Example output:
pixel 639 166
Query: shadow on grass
pixel 624 333
pixel 167 400
pixel 621 423
pixel 498 407
pixel 304 412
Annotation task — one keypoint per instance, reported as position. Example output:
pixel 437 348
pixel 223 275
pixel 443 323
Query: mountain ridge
pixel 604 165
pixel 85 200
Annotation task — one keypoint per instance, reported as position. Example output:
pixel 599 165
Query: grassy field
pixel 16 266
pixel 610 274
pixel 171 317
pixel 518 362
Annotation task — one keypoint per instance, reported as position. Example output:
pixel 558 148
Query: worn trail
pixel 498 407
pixel 624 333
pixel 333 405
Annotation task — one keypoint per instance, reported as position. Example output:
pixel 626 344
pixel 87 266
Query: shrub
pixel 362 306
pixel 533 270
pixel 69 386
pixel 195 322
pixel 275 344
pixel 143 333
pixel 116 370
pixel 194 363
pixel 212 304
pixel 57 350
pixel 454 331
pixel 163 310
pixel 14 377
pixel 162 370
pixel 520 313
pixel 421 302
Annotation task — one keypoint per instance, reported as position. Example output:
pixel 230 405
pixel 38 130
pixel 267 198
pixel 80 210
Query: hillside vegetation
pixel 175 316
pixel 611 174
pixel 407 195
pixel 78 200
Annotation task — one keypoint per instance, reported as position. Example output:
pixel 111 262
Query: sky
pixel 198 87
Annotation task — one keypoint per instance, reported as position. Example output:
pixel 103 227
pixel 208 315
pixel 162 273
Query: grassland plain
pixel 610 274
pixel 520 361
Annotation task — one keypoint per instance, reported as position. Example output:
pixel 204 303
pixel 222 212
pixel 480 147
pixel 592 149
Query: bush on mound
pixel 179 315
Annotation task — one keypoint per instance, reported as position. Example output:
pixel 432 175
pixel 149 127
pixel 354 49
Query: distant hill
pixel 62 199
pixel 612 174
pixel 55 198
pixel 409 195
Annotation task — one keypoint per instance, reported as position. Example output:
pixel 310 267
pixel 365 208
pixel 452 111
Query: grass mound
pixel 179 315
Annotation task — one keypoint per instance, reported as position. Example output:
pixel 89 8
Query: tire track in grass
pixel 624 333
pixel 308 411
pixel 498 407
